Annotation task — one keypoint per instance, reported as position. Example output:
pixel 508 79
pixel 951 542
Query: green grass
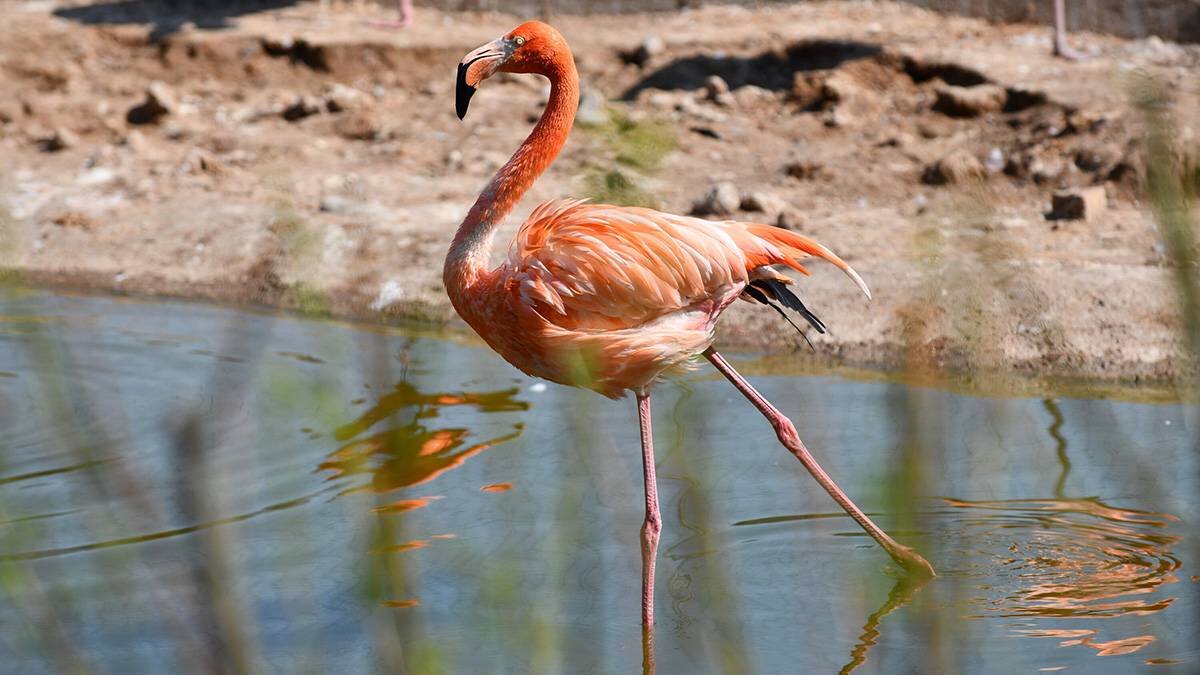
pixel 615 187
pixel 639 144
pixel 635 149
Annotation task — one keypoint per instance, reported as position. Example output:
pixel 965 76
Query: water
pixel 183 486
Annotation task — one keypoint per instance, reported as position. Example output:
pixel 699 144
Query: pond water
pixel 191 488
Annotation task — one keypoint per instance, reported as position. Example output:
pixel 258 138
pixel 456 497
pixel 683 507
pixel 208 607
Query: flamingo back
pixel 598 267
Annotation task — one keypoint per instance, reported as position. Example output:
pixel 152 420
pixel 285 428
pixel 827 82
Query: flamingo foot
pixel 1064 51
pixel 916 566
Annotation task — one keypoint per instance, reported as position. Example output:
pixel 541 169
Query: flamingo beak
pixel 476 67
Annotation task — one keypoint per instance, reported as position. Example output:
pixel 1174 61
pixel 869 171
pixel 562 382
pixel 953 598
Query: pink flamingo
pixel 611 298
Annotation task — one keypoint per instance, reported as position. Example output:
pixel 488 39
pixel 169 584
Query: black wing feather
pixel 787 298
pixel 758 295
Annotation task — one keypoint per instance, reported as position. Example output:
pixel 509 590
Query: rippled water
pixel 184 486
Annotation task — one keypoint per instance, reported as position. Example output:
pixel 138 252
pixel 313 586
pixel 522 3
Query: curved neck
pixel 468 254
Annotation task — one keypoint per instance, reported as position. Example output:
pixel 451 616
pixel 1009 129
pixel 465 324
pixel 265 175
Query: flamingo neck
pixel 468 257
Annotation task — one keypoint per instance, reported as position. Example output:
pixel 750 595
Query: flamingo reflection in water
pixel 411 453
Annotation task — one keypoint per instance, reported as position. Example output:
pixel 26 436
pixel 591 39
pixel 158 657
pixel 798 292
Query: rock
pixel 749 95
pixel 974 101
pixel 303 106
pixel 721 200
pixel 74 219
pixel 763 202
pixel 174 131
pixel 592 108
pixel 362 125
pixel 662 100
pixel 59 139
pixel 688 106
pixel 840 87
pixel 937 127
pixel 1095 158
pixel 198 161
pixel 717 90
pixel 644 52
pixel 846 101
pixel 390 293
pixel 806 90
pixel 1082 204
pixel 790 219
pixel 1046 171
pixel 160 101
pixel 454 160
pixel 957 167
pixel 278 46
pixel 337 204
pixel 715 85
pixel 340 98
pixel 840 118
pixel 803 169
pixel 994 161
pixel 135 141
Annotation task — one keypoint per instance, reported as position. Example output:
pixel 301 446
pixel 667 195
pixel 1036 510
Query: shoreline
pixel 752 359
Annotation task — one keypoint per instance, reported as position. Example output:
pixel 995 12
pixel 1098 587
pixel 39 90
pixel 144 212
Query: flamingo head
pixel 532 47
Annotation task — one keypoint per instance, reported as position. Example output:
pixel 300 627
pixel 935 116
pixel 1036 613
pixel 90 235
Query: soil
pixel 302 156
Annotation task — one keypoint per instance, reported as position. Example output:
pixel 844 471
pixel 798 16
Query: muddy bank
pixel 307 158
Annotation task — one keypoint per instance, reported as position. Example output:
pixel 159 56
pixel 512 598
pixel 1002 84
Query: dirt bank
pixel 304 157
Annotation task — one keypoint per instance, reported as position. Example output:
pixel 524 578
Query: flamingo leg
pixel 1061 48
pixel 651 528
pixel 404 11
pixel 907 558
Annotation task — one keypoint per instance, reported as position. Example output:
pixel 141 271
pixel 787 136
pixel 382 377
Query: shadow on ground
pixel 168 16
pixel 769 70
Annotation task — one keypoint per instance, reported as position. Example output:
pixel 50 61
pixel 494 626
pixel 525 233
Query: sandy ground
pixel 304 157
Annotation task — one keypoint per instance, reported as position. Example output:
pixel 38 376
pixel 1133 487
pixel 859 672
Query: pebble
pixel 994 160
pixel 790 219
pixel 716 90
pixel 303 106
pixel 649 48
pixel 390 292
pixel 160 101
pixel 957 167
pixel 361 125
pixel 59 139
pixel 803 169
pixel 592 108
pixel 970 101
pixel 339 98
pixel 763 202
pixel 721 199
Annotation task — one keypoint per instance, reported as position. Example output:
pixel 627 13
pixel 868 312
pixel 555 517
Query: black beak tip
pixel 462 93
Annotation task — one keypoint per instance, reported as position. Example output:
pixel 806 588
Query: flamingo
pixel 612 298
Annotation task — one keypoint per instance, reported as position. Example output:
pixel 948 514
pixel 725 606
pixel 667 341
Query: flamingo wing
pixel 595 267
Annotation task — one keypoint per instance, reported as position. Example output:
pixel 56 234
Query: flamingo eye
pixel 519 40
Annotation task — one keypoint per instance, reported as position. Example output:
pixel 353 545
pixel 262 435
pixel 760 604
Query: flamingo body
pixel 610 297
